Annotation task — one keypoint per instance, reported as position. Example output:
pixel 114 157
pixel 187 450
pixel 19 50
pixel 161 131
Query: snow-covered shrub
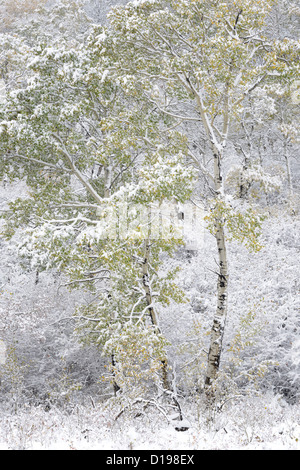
pixel 12 383
pixel 254 180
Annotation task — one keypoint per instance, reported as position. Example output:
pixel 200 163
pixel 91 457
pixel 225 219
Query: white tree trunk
pixel 217 332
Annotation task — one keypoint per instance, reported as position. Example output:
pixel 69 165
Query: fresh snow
pixel 257 424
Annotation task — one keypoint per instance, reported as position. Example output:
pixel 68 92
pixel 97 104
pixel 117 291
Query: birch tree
pixel 198 62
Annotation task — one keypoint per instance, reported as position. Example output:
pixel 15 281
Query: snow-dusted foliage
pixel 119 135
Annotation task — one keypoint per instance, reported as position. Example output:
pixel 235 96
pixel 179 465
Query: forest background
pixel 113 126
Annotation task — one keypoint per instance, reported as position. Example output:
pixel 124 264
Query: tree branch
pixel 41 162
pixel 76 172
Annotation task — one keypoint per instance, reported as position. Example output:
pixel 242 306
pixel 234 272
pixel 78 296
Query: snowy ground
pixel 257 423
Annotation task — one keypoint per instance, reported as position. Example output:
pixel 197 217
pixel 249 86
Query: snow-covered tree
pixel 198 62
pixel 104 127
pixel 88 148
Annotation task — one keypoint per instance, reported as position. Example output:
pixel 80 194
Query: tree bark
pixel 107 194
pixel 152 312
pixel 217 332
pixel 288 168
pixel 167 387
pixel 116 387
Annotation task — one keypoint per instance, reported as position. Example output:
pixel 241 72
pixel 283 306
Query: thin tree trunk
pixel 167 387
pixel 116 387
pixel 217 332
pixel 107 194
pixel 152 312
pixel 288 168
pixel 217 145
